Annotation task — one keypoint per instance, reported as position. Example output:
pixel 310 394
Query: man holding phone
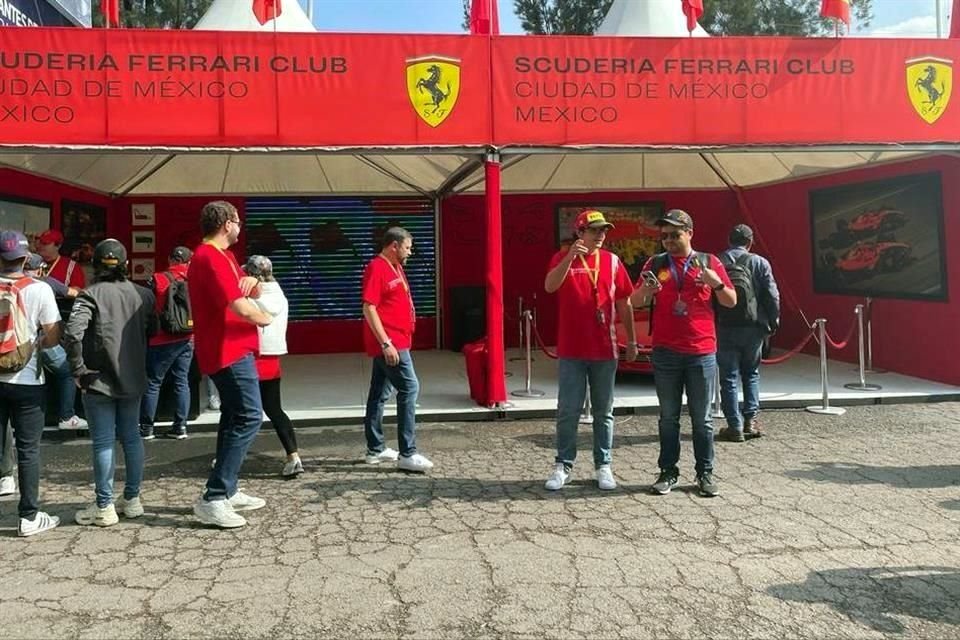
pixel 682 289
pixel 592 284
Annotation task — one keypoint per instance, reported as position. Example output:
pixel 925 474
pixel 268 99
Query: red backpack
pixel 16 341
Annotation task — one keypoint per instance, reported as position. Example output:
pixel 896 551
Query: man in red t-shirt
pixel 225 330
pixel 59 267
pixel 168 354
pixel 389 318
pixel 591 284
pixel 682 284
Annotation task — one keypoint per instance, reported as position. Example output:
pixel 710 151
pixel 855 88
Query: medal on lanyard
pixel 594 275
pixel 680 307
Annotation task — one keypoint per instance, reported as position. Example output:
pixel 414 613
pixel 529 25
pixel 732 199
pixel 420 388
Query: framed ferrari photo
pixel 882 238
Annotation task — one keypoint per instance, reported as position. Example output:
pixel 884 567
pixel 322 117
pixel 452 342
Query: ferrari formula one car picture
pixel 866 259
pixel 864 225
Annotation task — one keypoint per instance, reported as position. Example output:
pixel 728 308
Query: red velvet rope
pixel 789 354
pixel 846 340
pixel 543 347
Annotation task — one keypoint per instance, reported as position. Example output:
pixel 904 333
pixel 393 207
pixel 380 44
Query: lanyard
pixel 399 273
pixel 686 267
pixel 233 267
pixel 54 266
pixel 593 274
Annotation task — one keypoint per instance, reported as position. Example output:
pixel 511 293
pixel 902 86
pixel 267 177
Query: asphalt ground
pixel 827 527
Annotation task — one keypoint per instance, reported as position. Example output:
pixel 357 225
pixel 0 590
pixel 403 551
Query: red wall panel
pixel 912 337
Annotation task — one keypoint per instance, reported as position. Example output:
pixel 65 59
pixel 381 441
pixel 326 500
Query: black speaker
pixel 468 315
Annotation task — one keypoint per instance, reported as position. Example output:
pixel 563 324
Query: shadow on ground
pixel 919 477
pixel 876 596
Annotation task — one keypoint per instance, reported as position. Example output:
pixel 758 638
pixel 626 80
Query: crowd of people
pixel 121 341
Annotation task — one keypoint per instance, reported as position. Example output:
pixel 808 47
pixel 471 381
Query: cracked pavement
pixel 825 528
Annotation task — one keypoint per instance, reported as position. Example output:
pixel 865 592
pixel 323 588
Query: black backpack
pixel 176 317
pixel 746 312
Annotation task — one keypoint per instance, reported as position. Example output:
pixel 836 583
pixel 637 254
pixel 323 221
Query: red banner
pixel 723 91
pixel 233 89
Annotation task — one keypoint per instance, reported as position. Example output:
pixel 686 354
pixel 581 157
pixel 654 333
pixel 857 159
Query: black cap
pixel 33 263
pixel 741 235
pixel 109 254
pixel 180 255
pixel 677 218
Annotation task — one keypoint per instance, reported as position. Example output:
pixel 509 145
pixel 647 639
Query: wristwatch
pixel 718 287
pixel 386 343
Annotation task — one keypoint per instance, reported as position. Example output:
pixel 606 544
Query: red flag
pixel 484 19
pixel 955 20
pixel 693 9
pixel 111 12
pixel 837 9
pixel 266 10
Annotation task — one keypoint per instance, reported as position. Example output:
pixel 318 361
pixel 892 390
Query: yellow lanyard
pixel 233 267
pixel 593 274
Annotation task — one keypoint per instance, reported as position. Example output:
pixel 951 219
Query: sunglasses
pixel 671 235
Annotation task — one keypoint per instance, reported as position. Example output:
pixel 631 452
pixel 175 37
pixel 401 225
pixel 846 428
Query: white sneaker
pixel 213 402
pixel 416 462
pixel 387 455
pixel 242 502
pixel 292 468
pixel 558 478
pixel 106 517
pixel 218 513
pixel 73 424
pixel 8 486
pixel 605 478
pixel 131 508
pixel 40 523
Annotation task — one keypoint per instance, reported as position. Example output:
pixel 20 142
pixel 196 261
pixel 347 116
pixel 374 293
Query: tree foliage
pixel 776 17
pixel 720 17
pixel 157 14
pixel 550 17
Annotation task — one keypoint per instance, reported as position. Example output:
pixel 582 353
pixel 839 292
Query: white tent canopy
pixel 659 18
pixel 237 15
pixel 412 173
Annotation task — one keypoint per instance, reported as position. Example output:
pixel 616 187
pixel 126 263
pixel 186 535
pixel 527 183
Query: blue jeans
pixel 55 361
pixel 674 372
pixel 173 358
pixel 241 414
pixel 383 380
pixel 113 419
pixel 738 356
pixel 572 377
pixel 22 405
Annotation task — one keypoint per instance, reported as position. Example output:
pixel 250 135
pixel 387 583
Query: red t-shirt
pixel 581 335
pixel 385 287
pixel 63 267
pixel 221 337
pixel 694 332
pixel 160 286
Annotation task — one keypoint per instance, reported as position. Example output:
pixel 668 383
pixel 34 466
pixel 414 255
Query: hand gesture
pixel 577 249
pixel 391 355
pixel 709 278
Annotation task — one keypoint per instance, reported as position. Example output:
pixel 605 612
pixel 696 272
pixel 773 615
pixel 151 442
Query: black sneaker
pixel 730 435
pixel 665 481
pixel 176 433
pixel 146 431
pixel 706 486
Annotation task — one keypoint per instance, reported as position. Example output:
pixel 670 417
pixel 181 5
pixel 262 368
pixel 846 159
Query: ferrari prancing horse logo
pixel 433 84
pixel 929 85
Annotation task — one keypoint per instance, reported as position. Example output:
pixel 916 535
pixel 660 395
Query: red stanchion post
pixel 824 408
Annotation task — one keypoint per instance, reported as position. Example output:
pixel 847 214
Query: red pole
pixel 496 368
